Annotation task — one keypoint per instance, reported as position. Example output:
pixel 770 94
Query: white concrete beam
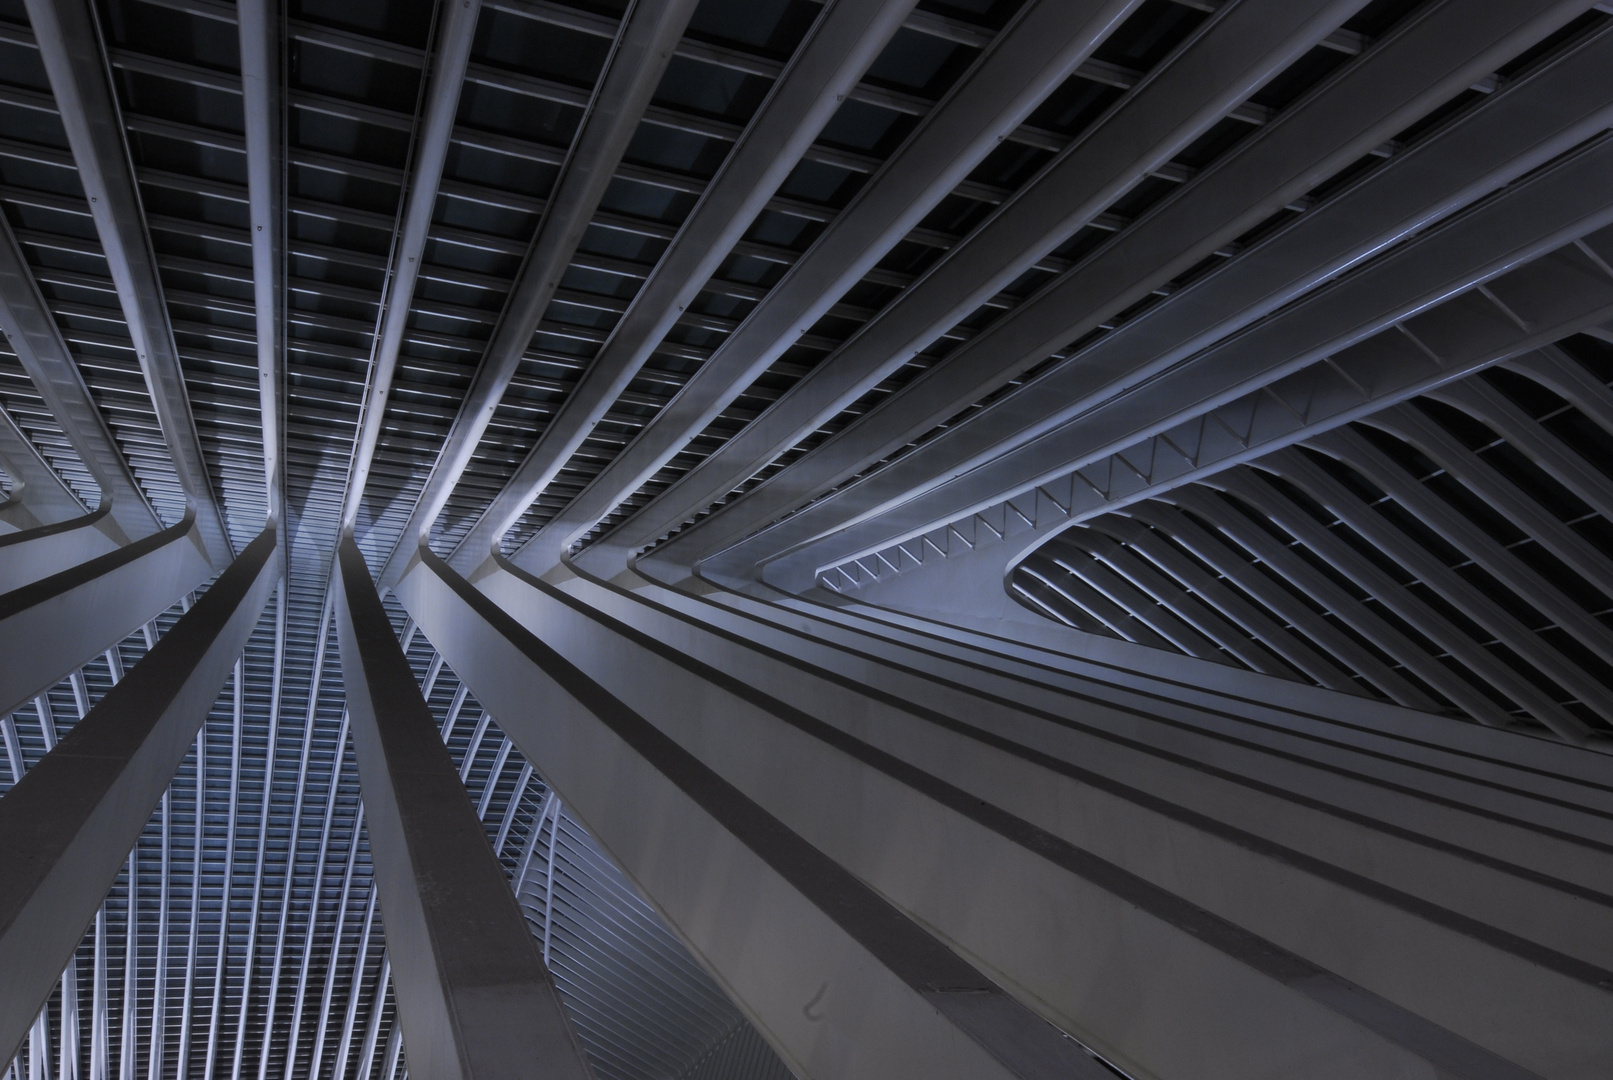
pixel 67 828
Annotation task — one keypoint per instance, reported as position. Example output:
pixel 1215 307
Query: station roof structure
pixel 1278 335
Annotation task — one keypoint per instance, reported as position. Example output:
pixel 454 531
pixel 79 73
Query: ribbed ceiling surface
pixel 243 938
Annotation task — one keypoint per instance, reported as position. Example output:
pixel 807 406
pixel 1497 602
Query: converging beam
pixel 67 827
pixel 840 981
pixel 38 493
pixel 260 105
pixel 646 43
pixel 70 49
pixel 53 626
pixel 1237 51
pixel 1031 57
pixel 1422 64
pixel 32 332
pixel 27 556
pixel 474 998
pixel 430 154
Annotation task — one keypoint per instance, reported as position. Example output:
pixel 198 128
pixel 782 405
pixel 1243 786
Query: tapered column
pixel 841 983
pixel 52 626
pixel 473 995
pixel 68 825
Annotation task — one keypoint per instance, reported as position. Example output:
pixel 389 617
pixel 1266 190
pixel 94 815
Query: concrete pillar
pixel 838 980
pixel 51 626
pixel 68 825
pixel 474 997
pixel 1037 852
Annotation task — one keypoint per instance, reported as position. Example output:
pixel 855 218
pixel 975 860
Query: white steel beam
pixel 1166 351
pixel 846 39
pixel 343 900
pixel 1480 477
pixel 823 749
pixel 215 1012
pixel 871 980
pixel 1102 578
pixel 259 22
pixel 283 917
pixel 1474 542
pixel 71 51
pixel 157 1041
pixel 270 760
pixel 1230 605
pixel 1194 610
pixel 430 152
pixel 40 552
pixel 1289 565
pixel 37 339
pixel 1481 400
pixel 1229 58
pixel 1570 379
pixel 630 640
pixel 473 996
pixel 1509 275
pixel 1446 583
pixel 323 855
pixel 67 827
pixel 187 1009
pixel 644 46
pixel 1305 621
pixel 50 627
pixel 1029 59
pixel 1383 588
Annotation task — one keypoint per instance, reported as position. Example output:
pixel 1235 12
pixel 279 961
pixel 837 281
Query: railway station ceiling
pixel 1278 334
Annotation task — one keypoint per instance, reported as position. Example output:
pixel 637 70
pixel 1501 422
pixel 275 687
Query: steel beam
pixel 1318 363
pixel 1289 566
pixel 473 996
pixel 67 828
pixel 1527 308
pixel 1435 56
pixel 283 917
pixel 1406 751
pixel 271 756
pixel 1586 559
pixel 1570 380
pixel 1470 539
pixel 28 556
pixel 1190 596
pixel 52 626
pixel 1425 620
pixel 32 331
pixel 1228 59
pixel 645 45
pixel 1483 401
pixel 1342 648
pixel 1104 578
pixel 322 858
pixel 836 748
pixel 429 153
pixel 1445 582
pixel 38 493
pixel 71 50
pixel 1031 57
pixel 1075 596
pixel 1491 146
pixel 840 981
pixel 261 79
